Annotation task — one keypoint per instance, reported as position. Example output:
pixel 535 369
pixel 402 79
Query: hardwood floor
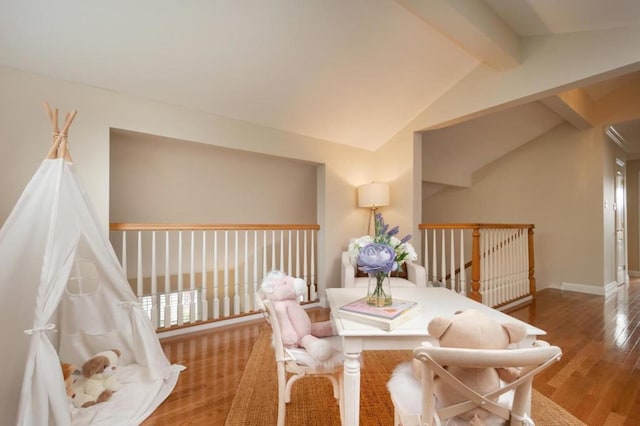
pixel 597 380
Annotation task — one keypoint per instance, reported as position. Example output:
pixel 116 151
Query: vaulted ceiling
pixel 354 72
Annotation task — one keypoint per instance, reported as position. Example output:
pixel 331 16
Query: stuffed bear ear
pixel 300 286
pixel 437 326
pixel 515 331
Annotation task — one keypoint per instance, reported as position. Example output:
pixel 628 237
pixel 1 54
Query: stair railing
pixel 500 258
pixel 185 274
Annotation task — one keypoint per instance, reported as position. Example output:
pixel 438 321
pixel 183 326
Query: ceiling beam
pixel 575 106
pixel 472 25
pixel 553 64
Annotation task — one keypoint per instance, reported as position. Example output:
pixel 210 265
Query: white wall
pixel 554 182
pixel 26 137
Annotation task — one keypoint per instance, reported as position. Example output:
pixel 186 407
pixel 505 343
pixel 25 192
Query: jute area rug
pixel 312 402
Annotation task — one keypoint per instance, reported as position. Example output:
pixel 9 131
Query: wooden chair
pixel 515 408
pixel 414 276
pixel 295 364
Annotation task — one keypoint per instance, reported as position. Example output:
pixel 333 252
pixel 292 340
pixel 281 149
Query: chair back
pixel 264 305
pixel 434 361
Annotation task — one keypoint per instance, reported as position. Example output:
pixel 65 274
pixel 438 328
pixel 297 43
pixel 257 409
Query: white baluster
pixel 180 307
pixel 154 283
pixel 452 263
pixel 297 253
pixel 140 291
pixel 484 264
pixel 312 285
pixel 273 249
pixel 256 283
pixel 264 253
pixel 247 294
pixel 443 260
pixel 305 271
pixel 226 300
pixel 204 307
pixel 290 264
pixel 435 259
pixel 192 278
pixel 463 272
pixel 426 256
pixel 167 283
pixel 282 250
pixel 216 288
pixel 236 278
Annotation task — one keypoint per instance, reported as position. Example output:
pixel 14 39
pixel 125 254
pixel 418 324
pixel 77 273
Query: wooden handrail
pixel 206 227
pixel 424 226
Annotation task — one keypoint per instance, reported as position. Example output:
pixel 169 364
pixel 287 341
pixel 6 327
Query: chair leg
pixel 282 405
pixel 341 400
pixel 289 385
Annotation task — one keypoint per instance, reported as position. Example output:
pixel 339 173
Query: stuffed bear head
pixel 104 363
pixel 473 329
pixel 279 286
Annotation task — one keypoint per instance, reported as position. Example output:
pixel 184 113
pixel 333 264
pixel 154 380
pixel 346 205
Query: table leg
pixel 351 401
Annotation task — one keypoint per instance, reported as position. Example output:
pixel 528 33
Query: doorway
pixel 620 224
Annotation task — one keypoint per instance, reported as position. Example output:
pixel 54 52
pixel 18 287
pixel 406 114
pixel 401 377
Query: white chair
pixel 423 409
pixel 416 275
pixel 295 364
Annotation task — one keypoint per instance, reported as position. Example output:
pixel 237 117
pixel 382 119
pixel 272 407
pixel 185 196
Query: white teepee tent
pixel 64 297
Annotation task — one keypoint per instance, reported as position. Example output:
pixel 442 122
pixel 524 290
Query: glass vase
pixel 379 289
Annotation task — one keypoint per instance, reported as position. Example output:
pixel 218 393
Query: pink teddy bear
pixel 296 327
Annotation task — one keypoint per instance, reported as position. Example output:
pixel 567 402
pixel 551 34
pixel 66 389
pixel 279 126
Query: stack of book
pixel 386 318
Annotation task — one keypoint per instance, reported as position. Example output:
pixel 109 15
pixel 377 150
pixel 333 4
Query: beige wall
pixel 26 136
pixel 160 180
pixel 633 215
pixel 554 182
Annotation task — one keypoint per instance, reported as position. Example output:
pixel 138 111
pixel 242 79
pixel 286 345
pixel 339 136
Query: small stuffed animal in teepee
pixel 296 327
pixel 98 381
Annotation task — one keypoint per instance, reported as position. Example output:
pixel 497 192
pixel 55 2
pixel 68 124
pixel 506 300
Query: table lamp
pixel 373 195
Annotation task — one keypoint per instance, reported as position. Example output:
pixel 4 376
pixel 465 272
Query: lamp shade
pixel 373 195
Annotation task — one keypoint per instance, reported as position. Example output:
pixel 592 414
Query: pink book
pixel 387 317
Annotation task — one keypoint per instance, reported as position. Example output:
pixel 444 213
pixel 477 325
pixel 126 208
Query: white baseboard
pixel 605 291
pixel 634 274
pixel 517 303
pixel 216 324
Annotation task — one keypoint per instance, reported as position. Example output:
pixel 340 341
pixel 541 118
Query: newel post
pixel 475 266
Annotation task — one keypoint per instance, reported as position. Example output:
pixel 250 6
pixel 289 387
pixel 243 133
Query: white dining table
pixel 358 337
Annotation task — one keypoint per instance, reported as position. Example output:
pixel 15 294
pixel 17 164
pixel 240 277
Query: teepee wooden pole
pixel 59 147
pixel 64 149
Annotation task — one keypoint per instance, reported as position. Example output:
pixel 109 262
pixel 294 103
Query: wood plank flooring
pixel 598 379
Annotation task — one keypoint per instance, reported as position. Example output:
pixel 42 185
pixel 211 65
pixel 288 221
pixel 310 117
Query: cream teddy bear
pixel 473 329
pixel 98 380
